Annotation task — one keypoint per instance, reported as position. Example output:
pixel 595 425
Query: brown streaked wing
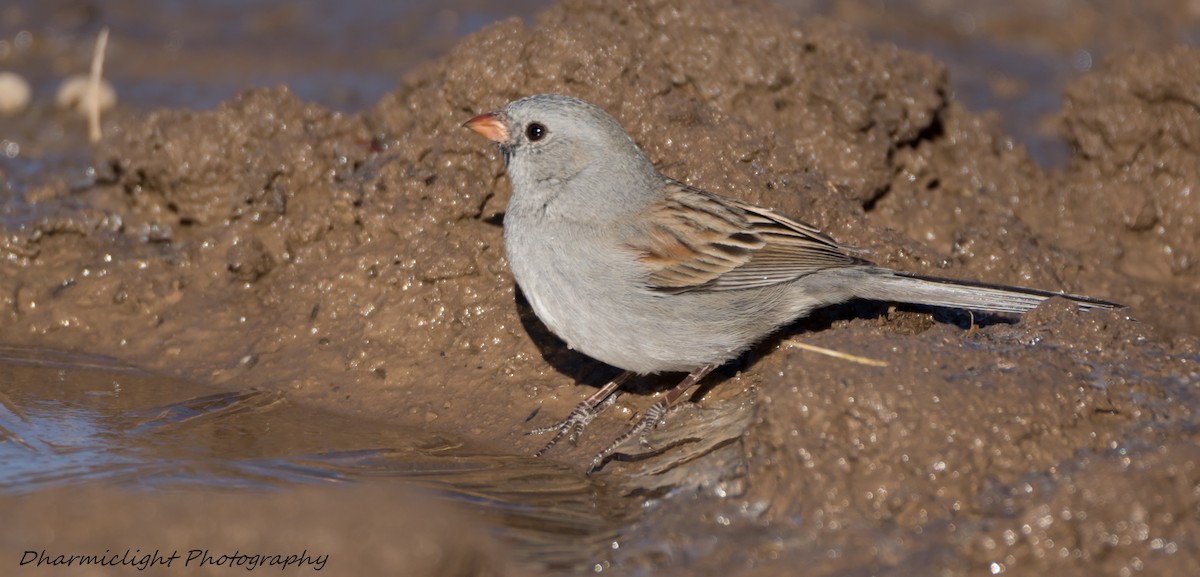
pixel 697 240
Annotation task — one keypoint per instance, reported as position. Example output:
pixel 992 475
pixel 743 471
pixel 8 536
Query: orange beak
pixel 489 126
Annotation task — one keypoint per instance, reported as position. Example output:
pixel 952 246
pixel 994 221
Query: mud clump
pixel 1133 125
pixel 357 262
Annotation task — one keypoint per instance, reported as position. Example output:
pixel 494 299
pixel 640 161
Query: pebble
pixel 14 93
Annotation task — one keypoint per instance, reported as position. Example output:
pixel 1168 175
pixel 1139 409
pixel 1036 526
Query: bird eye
pixel 535 131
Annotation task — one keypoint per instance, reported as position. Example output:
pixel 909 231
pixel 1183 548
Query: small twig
pixel 835 354
pixel 93 100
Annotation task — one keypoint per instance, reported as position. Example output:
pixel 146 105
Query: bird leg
pixel 582 414
pixel 653 417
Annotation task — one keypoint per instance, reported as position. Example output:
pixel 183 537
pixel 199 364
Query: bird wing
pixel 696 240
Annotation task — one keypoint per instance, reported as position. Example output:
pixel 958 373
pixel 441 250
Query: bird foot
pixel 654 417
pixel 572 426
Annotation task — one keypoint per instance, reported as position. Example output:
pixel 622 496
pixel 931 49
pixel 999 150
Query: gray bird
pixel 651 275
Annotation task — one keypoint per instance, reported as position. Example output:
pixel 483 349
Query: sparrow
pixel 651 275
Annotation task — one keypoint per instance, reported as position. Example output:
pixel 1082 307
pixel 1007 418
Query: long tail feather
pixel 895 286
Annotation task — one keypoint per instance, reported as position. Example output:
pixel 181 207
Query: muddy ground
pixel 354 262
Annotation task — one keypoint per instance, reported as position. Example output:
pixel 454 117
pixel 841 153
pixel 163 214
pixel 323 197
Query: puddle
pixel 84 438
pixel 69 421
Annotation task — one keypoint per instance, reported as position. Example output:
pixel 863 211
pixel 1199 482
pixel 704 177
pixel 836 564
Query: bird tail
pixel 903 287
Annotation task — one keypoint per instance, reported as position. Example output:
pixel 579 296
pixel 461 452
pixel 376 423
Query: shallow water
pixel 79 421
pixel 91 425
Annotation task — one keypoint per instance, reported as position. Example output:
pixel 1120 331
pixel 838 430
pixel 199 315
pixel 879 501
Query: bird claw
pixel 583 414
pixel 654 417
pixel 572 426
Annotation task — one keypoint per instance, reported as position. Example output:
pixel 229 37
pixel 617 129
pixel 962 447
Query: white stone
pixel 14 93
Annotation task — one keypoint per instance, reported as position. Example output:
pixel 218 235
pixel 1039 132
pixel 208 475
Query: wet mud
pixel 274 249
